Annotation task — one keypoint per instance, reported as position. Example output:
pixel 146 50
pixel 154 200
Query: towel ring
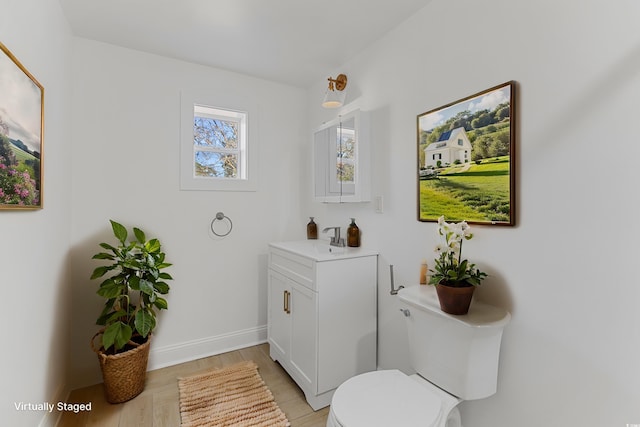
pixel 220 217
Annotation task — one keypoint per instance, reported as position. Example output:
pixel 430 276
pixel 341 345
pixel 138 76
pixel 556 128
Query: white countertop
pixel 320 250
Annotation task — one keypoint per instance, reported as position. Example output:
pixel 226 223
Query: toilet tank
pixel 459 354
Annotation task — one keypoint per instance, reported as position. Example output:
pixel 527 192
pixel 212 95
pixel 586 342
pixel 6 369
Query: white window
pixel 215 145
pixel 219 143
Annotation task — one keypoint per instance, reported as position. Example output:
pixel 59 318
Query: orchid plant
pixel 450 269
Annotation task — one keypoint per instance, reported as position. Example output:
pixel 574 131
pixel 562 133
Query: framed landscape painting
pixel 21 132
pixel 466 154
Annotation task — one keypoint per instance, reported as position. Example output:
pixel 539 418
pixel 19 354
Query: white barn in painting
pixel 452 145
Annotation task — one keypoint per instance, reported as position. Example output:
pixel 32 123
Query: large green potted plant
pixel 132 284
pixel 455 279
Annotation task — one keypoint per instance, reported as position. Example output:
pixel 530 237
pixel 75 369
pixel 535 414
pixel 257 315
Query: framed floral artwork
pixel 466 159
pixel 21 135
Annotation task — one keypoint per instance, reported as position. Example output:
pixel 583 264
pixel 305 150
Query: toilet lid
pixel 385 398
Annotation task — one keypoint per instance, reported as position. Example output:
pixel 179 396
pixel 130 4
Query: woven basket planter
pixel 124 374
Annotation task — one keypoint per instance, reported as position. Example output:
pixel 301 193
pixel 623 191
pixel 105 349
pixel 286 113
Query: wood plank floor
pixel 157 406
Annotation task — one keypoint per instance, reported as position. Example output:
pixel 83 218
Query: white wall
pixel 34 248
pixel 567 271
pixel 126 109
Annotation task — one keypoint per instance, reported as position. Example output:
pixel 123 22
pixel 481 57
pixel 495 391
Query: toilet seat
pixel 389 398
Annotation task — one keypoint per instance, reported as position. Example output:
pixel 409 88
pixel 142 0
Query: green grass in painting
pixel 21 155
pixel 25 161
pixel 477 193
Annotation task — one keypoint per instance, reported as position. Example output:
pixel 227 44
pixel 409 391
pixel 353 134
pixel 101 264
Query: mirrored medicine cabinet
pixel 341 159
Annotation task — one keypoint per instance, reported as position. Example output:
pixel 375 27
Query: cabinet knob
pixel 406 312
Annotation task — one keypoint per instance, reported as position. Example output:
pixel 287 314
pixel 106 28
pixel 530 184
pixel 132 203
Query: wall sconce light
pixel 335 95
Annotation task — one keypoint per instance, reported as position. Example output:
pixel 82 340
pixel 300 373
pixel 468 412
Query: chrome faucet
pixel 336 240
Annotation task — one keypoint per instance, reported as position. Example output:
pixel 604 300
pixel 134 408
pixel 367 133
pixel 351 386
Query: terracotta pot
pixel 455 300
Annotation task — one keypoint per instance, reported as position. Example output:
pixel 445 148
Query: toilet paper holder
pixel 393 291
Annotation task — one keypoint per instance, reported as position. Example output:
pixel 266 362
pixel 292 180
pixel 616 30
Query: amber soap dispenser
pixel 353 234
pixel 312 229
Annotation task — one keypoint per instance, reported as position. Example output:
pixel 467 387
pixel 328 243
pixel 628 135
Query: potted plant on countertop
pixel 455 279
pixel 132 291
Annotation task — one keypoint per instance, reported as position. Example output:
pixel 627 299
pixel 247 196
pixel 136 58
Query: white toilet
pixel 455 357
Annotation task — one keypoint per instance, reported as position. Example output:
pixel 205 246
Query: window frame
pixel 231 108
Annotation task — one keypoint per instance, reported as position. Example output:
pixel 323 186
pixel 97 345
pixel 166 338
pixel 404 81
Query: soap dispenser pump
pixel 353 234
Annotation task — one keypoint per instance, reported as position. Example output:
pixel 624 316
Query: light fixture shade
pixel 335 94
pixel 333 99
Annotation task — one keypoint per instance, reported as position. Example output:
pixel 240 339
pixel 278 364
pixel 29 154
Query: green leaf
pixel 102 255
pixel 99 272
pixel 106 312
pixel 107 246
pixel 161 303
pixel 473 281
pixel 134 283
pixel 154 273
pixel 161 287
pixel 139 235
pixel 102 320
pixel 144 322
pixel 146 286
pixel 132 264
pixel 117 334
pixel 110 289
pixel 119 231
pixel 153 245
pixel 165 276
pixel 150 299
pixel 116 315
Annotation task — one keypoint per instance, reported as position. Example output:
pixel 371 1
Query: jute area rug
pixel 232 396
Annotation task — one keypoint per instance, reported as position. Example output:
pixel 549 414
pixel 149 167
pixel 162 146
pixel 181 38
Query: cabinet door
pixel 303 354
pixel 322 157
pixel 342 159
pixel 347 320
pixel 279 322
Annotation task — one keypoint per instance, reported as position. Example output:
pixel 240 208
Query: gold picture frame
pixel 21 135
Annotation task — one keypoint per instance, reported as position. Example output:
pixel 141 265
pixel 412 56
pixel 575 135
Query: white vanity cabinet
pixel 322 314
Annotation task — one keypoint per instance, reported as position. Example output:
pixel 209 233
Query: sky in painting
pixel 20 106
pixel 486 101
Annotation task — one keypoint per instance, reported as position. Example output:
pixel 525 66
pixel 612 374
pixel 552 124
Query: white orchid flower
pixel 449 252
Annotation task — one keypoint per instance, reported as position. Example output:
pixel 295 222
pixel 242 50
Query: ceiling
pixel 287 41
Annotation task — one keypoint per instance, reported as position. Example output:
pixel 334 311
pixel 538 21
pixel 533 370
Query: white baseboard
pixel 51 419
pixel 205 347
